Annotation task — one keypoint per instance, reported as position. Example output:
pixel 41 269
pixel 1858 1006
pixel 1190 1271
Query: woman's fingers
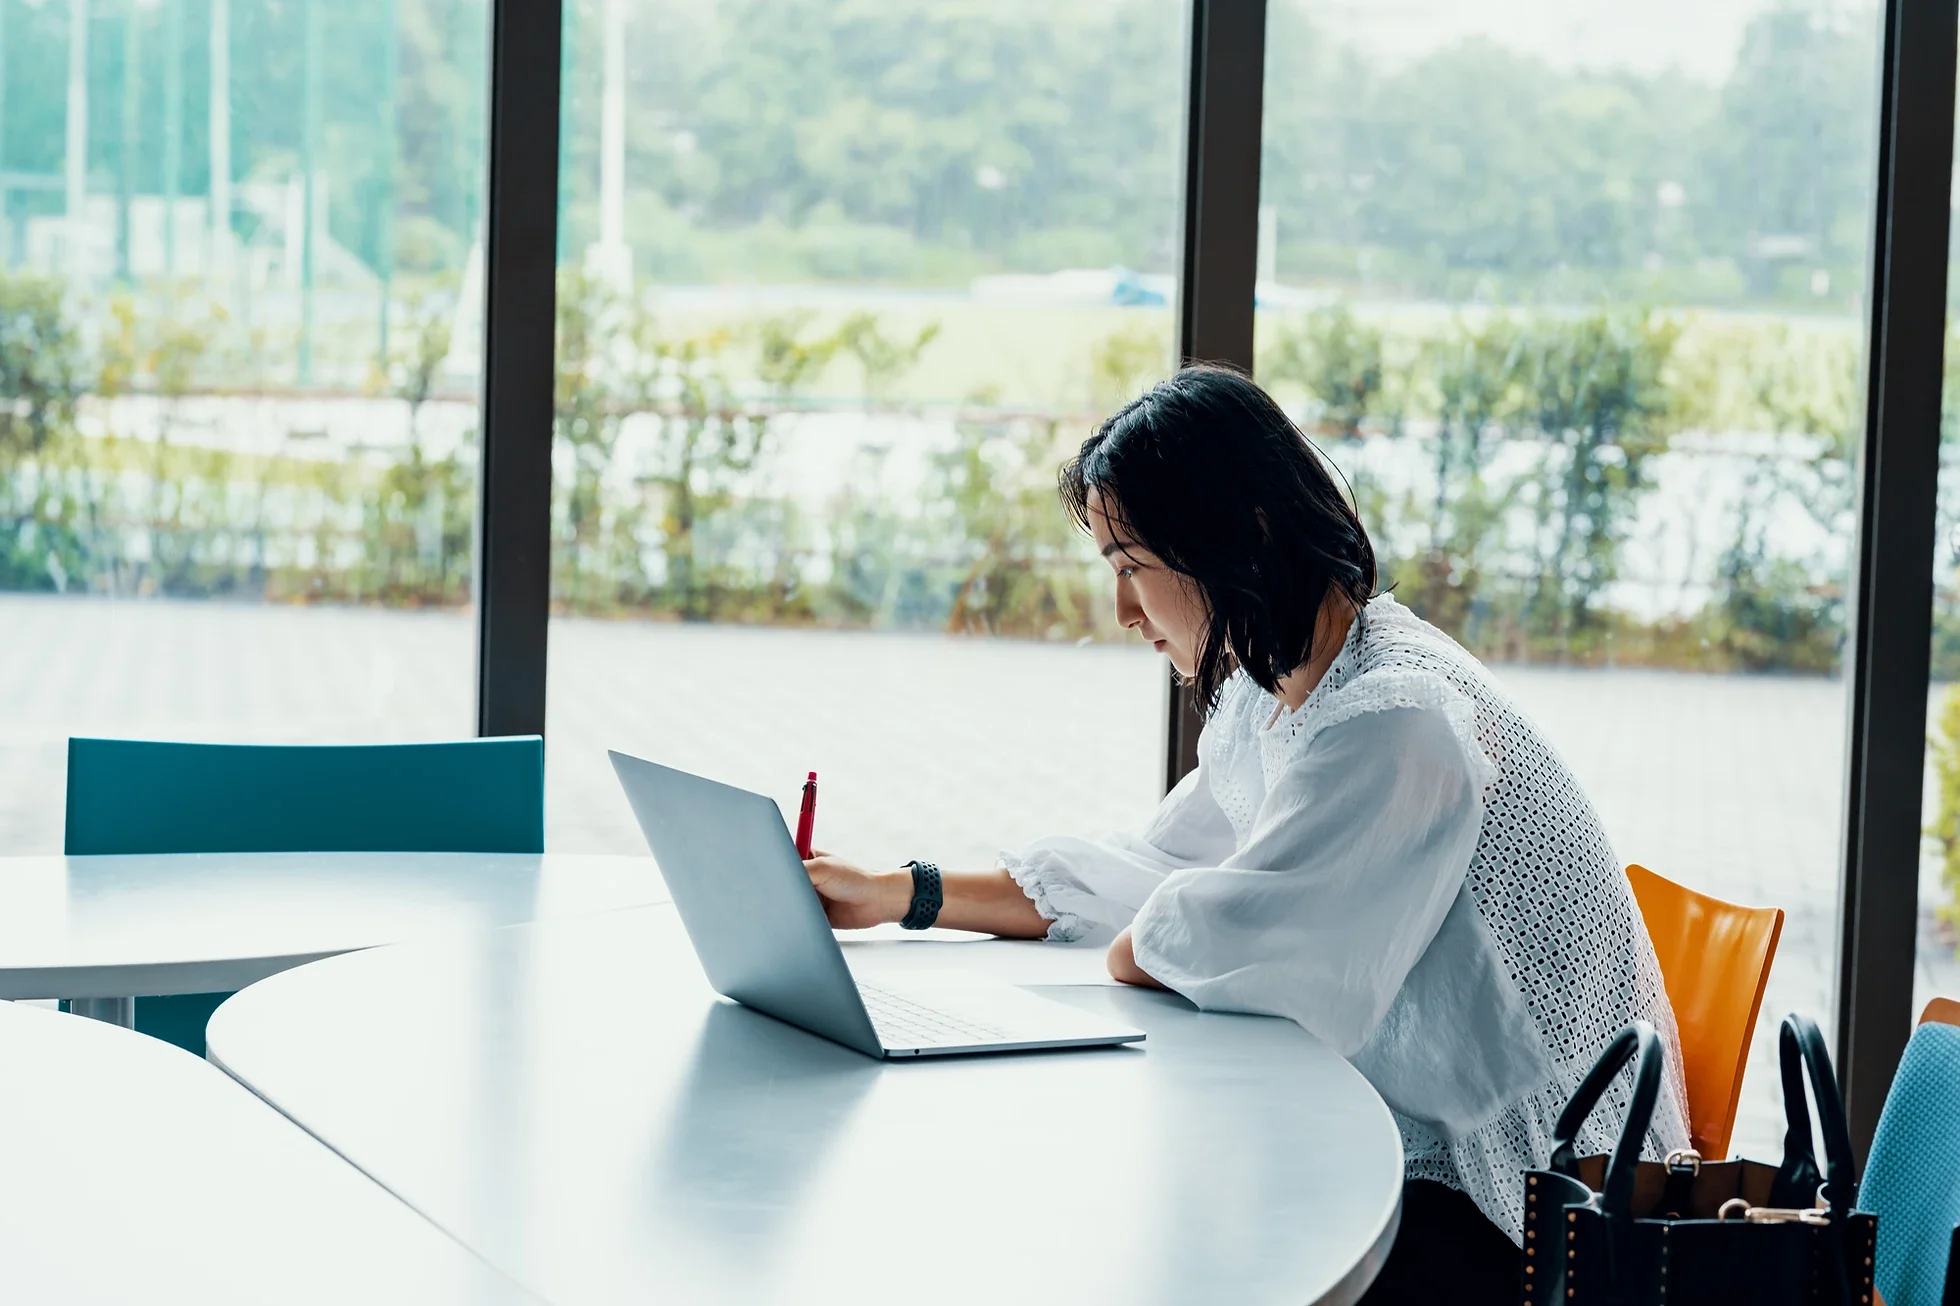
pixel 854 898
pixel 833 878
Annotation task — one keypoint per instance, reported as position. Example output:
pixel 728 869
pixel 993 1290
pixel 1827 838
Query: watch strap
pixel 928 896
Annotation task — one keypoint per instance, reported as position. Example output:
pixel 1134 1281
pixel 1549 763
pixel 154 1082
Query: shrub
pixel 1945 831
pixel 1338 360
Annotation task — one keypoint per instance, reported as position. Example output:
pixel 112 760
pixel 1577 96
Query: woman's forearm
pixel 988 902
pixel 991 903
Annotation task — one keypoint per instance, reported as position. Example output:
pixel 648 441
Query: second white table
pixel 131 1172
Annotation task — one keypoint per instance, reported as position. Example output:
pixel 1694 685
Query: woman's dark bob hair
pixel 1209 474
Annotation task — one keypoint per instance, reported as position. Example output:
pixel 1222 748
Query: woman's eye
pixel 1126 572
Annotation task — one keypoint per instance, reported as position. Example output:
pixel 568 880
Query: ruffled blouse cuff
pixel 1040 877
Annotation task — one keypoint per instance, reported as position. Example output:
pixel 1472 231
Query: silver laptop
pixel 759 929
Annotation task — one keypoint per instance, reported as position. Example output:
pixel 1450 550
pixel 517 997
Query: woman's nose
pixel 1129 613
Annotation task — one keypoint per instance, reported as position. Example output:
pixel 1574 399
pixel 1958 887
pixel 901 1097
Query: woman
pixel 1376 843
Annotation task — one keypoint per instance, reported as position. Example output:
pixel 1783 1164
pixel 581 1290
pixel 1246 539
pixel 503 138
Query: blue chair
pixel 1912 1180
pixel 138 796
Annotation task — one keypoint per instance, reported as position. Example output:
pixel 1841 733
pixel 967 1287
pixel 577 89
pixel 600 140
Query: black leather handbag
pixel 1684 1232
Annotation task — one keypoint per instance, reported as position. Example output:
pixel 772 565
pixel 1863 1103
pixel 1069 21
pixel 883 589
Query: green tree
pixel 1337 359
pixel 702 441
pixel 1476 372
pixel 1786 167
pixel 1036 135
pixel 1471 170
pixel 1945 831
pixel 43 371
pixel 1597 396
pixel 43 374
pixel 1125 362
pixel 418 514
pixel 595 560
pixel 882 360
pixel 1026 571
pixel 1772 610
pixel 706 438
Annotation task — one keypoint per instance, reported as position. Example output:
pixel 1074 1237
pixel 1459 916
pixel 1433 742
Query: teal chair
pixel 1912 1179
pixel 138 796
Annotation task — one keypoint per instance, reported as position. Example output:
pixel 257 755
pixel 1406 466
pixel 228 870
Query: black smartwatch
pixel 928 896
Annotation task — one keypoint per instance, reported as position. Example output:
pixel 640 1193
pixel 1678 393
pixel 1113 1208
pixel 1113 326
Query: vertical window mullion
pixel 513 578
pixel 1224 102
pixel 1891 610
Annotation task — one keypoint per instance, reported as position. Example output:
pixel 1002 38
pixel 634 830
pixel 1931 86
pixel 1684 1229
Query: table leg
pixel 114 1011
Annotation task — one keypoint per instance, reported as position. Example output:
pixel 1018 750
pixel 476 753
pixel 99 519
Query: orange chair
pixel 1941 1011
pixel 1715 959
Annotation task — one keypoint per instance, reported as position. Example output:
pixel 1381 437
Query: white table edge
pixel 1356 1282
pixel 152 979
pixel 162 976
pixel 1353 1285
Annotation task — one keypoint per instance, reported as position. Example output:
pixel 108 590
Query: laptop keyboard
pixel 903 1023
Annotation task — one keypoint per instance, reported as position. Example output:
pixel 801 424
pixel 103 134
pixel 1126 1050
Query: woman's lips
pixel 1157 644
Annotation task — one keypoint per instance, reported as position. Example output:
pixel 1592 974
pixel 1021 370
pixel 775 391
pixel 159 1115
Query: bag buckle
pixel 1738 1208
pixel 1683 1168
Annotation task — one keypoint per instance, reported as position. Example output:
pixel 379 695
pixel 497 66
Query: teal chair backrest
pixel 139 796
pixel 1912 1180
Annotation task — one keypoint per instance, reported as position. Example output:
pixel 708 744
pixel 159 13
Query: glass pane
pixel 1576 305
pixel 238 342
pixel 1938 970
pixel 840 283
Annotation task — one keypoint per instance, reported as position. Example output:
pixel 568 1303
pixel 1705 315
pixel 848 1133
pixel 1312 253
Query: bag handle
pixel 1637 1038
pixel 1800 1048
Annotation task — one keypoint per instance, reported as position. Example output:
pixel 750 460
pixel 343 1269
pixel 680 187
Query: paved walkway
pixel 926 745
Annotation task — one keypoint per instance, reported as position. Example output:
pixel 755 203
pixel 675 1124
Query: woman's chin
pixel 1179 663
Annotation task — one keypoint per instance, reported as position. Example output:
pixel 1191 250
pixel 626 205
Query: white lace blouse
pixel 1404 866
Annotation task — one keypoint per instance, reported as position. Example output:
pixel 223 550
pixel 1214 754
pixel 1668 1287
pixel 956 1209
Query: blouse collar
pixel 1282 720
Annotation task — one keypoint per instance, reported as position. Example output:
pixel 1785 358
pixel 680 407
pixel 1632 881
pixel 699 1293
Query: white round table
pixel 572 1102
pixel 130 1171
pixel 103 930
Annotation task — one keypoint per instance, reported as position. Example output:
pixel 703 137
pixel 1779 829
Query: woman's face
pixel 1160 604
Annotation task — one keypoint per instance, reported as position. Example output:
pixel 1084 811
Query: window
pixel 239 336
pixel 1577 308
pixel 840 284
pixel 1937 973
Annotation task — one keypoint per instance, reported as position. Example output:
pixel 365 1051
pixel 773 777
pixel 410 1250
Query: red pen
pixel 806 820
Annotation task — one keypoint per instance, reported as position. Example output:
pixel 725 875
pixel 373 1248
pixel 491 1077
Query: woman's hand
pixel 856 899
pixel 1123 964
